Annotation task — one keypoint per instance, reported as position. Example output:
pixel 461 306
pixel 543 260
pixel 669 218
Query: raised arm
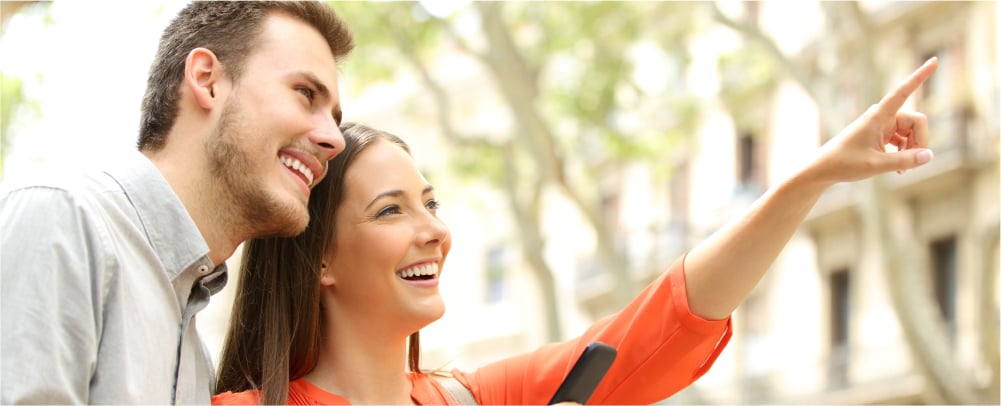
pixel 722 270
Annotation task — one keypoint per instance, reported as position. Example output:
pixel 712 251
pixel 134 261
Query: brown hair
pixel 275 328
pixel 230 30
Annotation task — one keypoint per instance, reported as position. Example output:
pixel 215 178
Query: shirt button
pixel 203 269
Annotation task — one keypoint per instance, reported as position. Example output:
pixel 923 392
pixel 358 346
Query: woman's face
pixel 389 245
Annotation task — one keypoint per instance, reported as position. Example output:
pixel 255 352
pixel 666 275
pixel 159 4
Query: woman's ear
pixel 326 275
pixel 202 75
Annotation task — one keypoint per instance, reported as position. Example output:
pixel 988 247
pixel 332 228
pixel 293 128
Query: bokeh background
pixel 580 147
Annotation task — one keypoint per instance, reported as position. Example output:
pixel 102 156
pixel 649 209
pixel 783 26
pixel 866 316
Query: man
pixel 102 274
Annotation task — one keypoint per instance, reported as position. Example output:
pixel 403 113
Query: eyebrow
pixel 397 193
pixel 325 91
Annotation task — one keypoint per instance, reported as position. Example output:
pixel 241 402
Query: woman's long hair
pixel 276 325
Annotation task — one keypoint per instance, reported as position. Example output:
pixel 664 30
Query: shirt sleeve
pixel 662 348
pixel 51 274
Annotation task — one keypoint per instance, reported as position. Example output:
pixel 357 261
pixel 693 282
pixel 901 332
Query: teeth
pixel 297 165
pixel 422 270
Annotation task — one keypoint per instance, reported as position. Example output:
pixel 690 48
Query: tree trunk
pixel 922 324
pixel 986 316
pixel 517 81
pixel 525 207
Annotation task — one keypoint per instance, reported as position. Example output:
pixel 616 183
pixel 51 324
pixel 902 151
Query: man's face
pixel 278 128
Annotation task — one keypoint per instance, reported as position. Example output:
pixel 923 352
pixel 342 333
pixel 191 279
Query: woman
pixel 333 315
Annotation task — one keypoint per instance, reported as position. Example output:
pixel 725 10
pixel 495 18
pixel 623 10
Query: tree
pixel 11 94
pixel 923 326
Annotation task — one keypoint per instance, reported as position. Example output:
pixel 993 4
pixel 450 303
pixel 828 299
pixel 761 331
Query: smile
pixel 419 272
pixel 297 165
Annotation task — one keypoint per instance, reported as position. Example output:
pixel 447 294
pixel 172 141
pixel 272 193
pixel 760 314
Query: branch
pixel 518 84
pixel 408 50
pixel 795 70
pixel 449 29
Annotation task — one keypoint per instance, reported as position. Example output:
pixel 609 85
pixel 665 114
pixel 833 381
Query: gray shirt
pixel 101 277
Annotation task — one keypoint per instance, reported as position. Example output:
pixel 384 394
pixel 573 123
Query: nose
pixel 432 231
pixel 328 138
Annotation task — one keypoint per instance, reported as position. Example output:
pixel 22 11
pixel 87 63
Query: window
pixel 934 86
pixel 947 113
pixel 840 290
pixel 610 204
pixel 748 165
pixel 497 264
pixel 679 189
pixel 943 255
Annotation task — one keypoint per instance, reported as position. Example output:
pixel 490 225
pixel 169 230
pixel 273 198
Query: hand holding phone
pixel 585 375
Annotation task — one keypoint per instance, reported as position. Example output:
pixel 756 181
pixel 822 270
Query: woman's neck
pixel 363 366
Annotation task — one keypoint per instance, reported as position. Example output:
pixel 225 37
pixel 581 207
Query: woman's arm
pixel 722 270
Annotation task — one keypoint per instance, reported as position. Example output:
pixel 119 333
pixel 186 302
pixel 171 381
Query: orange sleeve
pixel 662 348
pixel 248 397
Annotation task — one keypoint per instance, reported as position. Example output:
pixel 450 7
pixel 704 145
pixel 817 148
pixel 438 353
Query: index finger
pixel 894 100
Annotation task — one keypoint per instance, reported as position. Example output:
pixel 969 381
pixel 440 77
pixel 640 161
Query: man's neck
pixel 187 183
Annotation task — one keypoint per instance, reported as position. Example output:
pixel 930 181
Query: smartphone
pixel 585 374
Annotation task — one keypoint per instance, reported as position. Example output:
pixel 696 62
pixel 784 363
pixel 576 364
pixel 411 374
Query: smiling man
pixel 102 274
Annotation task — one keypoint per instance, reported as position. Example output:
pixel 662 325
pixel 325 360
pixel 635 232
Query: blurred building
pixel 821 327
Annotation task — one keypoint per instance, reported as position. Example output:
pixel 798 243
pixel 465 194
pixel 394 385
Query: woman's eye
pixel 305 91
pixel 388 210
pixel 432 204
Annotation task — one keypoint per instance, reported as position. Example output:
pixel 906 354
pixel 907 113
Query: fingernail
pixel 924 156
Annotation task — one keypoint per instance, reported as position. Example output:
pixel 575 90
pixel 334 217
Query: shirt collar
pixel 170 229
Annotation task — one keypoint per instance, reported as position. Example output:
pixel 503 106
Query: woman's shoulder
pixel 247 397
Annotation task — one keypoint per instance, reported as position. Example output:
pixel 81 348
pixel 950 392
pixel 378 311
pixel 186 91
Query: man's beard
pixel 247 206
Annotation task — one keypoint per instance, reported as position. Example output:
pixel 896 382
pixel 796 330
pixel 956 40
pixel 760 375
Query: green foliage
pixel 582 58
pixel 381 29
pixel 748 77
pixel 590 46
pixel 474 163
pixel 11 98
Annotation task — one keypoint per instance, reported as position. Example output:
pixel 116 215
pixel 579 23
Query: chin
pixel 287 220
pixel 298 227
pixel 294 230
pixel 301 221
pixel 435 311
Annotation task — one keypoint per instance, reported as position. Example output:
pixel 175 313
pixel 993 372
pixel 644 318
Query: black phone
pixel 586 373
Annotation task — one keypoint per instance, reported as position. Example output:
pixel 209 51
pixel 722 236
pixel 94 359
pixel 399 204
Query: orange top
pixel 662 348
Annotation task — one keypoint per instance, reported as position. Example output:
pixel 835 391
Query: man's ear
pixel 202 75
